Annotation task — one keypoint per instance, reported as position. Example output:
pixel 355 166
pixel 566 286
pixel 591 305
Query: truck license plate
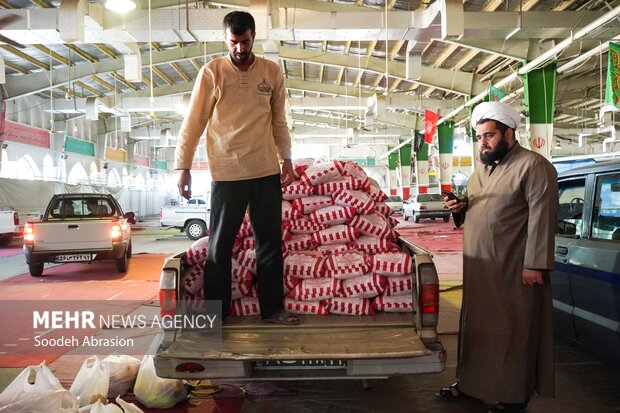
pixel 74 257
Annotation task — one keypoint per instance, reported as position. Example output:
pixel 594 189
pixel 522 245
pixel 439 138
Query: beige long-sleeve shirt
pixel 243 113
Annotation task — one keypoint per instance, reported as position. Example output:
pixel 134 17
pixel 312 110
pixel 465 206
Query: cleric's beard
pixel 501 149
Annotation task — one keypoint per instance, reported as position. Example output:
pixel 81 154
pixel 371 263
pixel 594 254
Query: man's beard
pixel 501 149
pixel 241 59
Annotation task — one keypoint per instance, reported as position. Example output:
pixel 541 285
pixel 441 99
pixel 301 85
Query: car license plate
pixel 74 257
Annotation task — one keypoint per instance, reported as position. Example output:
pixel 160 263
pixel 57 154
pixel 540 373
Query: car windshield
pixel 394 198
pixel 429 198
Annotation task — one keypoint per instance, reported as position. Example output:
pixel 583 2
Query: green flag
pixel 612 87
pixel 495 94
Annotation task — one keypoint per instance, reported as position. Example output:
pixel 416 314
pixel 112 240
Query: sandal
pixel 283 318
pixel 451 392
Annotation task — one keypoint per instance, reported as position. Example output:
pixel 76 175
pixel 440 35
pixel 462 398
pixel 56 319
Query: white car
pixel 395 203
pixel 426 206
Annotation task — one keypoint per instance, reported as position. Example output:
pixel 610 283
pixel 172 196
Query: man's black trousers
pixel 229 200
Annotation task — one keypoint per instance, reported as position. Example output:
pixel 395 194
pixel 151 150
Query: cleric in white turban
pixel 501 112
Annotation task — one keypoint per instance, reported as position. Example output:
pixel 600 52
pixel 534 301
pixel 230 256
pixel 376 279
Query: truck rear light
pixel 28 234
pixel 15 218
pixel 190 368
pixel 167 293
pixel 117 231
pixel 161 213
pixel 429 294
pixel 423 207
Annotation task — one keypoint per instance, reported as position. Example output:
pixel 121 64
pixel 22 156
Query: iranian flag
pixel 540 102
pixel 430 124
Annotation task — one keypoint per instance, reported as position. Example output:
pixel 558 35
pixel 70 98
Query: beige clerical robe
pixel 506 336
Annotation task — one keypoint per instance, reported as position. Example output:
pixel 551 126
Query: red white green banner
pixel 445 133
pixel 612 86
pixel 430 123
pixel 540 104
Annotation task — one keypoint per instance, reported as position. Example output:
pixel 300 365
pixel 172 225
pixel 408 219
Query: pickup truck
pixel 320 347
pixel 9 226
pixel 192 218
pixel 80 227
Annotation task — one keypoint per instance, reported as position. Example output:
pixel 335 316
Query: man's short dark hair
pixel 239 22
pixel 502 127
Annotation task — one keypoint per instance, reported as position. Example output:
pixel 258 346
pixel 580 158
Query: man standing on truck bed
pixel 505 350
pixel 239 99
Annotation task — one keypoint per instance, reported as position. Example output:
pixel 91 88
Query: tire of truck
pixel 5 240
pixel 446 219
pixel 36 270
pixel 129 250
pixel 417 219
pixel 405 217
pixel 195 229
pixel 121 263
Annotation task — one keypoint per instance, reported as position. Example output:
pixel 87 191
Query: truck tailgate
pixel 73 235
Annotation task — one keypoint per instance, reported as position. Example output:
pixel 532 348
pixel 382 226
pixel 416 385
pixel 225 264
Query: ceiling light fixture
pixel 120 6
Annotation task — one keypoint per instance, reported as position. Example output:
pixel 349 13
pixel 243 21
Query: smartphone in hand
pixel 449 195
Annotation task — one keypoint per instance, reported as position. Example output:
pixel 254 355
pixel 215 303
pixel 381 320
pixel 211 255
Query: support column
pixel 445 133
pixel 422 161
pixel 405 167
pixel 539 104
pixel 393 173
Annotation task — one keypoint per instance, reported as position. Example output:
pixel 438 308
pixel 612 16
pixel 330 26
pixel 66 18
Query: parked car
pixel 586 279
pixel 395 203
pixel 79 227
pixel 9 226
pixel 426 206
pixel 192 218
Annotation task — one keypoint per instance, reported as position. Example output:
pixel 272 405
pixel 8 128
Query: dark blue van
pixel 586 280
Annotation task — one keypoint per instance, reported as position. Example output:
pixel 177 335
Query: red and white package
pixel 288 212
pixel 197 252
pixel 350 306
pixel 312 203
pixel 374 245
pixel 332 249
pixel 376 193
pixel 304 264
pixel 248 243
pixel 393 264
pixel 247 258
pixel 300 165
pixel 383 208
pixel 352 169
pixel 299 243
pixel 393 221
pixel 304 226
pixel 319 173
pixel 194 279
pixel 338 234
pixel 290 283
pixel 359 200
pixel 296 190
pixel 316 289
pixel 332 215
pixel 329 188
pixel 245 230
pixel 346 264
pixel 399 285
pixel 374 224
pixel 240 289
pixel 394 304
pixel 304 307
pixel 367 286
pixel 286 234
pixel 245 306
pixel 239 272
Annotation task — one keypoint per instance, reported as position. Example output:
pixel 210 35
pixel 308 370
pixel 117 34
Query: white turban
pixel 501 112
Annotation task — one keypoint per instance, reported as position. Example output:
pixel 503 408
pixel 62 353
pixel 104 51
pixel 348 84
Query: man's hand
pixel 185 184
pixel 531 277
pixel 456 205
pixel 288 173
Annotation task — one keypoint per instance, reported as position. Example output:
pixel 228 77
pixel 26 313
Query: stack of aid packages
pixel 338 249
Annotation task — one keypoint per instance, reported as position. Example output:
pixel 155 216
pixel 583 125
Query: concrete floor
pixel 583 384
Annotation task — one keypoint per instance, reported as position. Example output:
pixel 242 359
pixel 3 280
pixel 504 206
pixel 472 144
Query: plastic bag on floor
pixel 99 407
pixel 155 392
pixel 128 407
pixel 45 395
pixel 123 373
pixel 92 381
